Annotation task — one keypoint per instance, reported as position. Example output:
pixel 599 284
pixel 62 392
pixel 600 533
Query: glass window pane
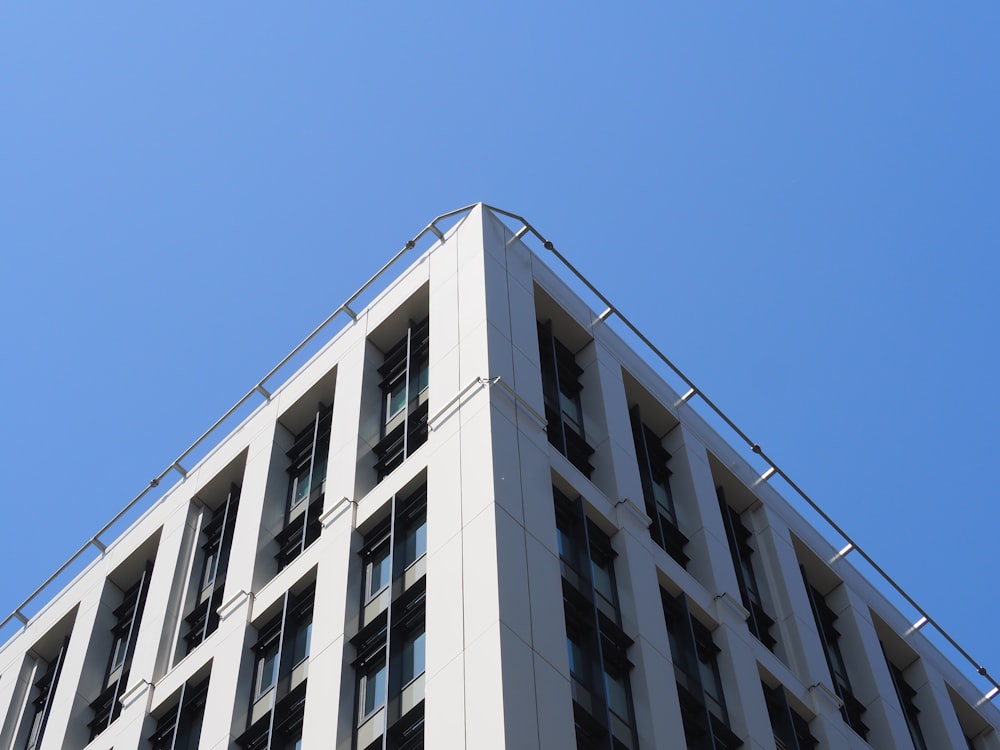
pixel 302 637
pixel 603 584
pixel 577 664
pixel 413 657
pixel 395 401
pixel 617 696
pixel 415 543
pixel 267 671
pixel 570 407
pixel 300 487
pixel 374 695
pixel 118 653
pixel 418 378
pixel 379 571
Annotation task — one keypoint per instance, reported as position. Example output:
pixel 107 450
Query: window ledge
pixel 233 603
pixel 730 610
pixel 825 701
pixel 134 693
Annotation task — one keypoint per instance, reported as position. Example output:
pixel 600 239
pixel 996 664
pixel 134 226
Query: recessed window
pixel 561 389
pixel 390 647
pixel 267 670
pixel 217 540
pixel 415 539
pixel 413 656
pixel 43 691
pixel 280 675
pixel 308 458
pixel 852 709
pixel 180 727
pixel 658 499
pixel 379 570
pixel 596 646
pixel 699 683
pixel 404 384
pixel 107 706
pixel 739 537
pixel 373 688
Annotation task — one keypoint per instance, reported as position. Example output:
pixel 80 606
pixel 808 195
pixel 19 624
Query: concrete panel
pixel 548 626
pixel 555 705
pixel 445 700
pixel 480 581
pixel 484 693
pixel 512 570
pixel 445 606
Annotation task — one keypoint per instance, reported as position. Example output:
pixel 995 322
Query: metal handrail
pixel 926 619
pixel 526 227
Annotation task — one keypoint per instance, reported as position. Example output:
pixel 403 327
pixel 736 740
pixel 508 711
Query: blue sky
pixel 796 202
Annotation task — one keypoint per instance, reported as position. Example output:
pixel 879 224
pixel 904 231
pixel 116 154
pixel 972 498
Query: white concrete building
pixel 477 519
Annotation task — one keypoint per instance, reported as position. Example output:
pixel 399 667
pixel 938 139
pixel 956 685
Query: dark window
pixel 281 654
pixel 699 684
pixel 107 706
pixel 852 710
pixel 791 731
pixel 390 644
pixel 44 689
pixel 739 537
pixel 655 476
pixel 906 694
pixel 595 642
pixel 217 539
pixel 307 481
pixel 561 391
pixel 404 398
pixel 180 727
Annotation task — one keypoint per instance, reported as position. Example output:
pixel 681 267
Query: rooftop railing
pixel 260 389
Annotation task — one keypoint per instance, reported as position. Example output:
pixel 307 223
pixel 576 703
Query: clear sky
pixel 798 202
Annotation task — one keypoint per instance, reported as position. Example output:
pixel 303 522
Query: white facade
pixel 493 666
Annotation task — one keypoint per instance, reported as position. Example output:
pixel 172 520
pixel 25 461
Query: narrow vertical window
pixel 44 689
pixel 699 684
pixel 180 727
pixel 217 538
pixel 791 731
pixel 390 645
pixel 596 645
pixel 906 694
pixel 404 398
pixel 281 660
pixel 739 536
pixel 852 710
pixel 659 500
pixel 561 389
pixel 107 706
pixel 307 467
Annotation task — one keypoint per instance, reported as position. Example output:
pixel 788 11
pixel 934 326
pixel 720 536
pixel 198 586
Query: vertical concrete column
pixel 261 454
pixel 657 707
pixel 740 676
pixel 152 638
pixel 694 488
pixel 16 681
pixel 228 697
pixel 797 636
pixel 938 720
pixel 329 695
pixel 330 686
pixel 869 673
pixel 87 655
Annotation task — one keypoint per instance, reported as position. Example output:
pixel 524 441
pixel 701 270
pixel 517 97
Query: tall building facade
pixel 477 519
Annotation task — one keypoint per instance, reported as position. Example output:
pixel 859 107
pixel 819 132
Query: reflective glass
pixel 379 571
pixel 374 696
